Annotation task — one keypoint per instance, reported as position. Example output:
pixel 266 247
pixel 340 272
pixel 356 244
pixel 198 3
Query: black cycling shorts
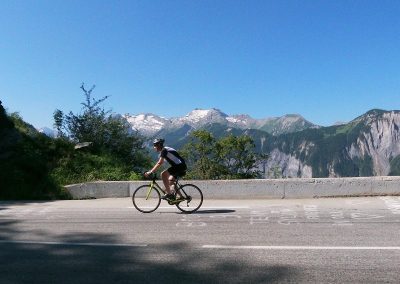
pixel 178 170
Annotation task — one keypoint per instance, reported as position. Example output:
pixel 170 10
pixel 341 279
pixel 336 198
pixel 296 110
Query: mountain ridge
pixel 149 124
pixel 366 146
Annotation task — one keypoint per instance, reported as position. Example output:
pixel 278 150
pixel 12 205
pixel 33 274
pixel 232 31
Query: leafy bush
pixel 109 136
pixel 85 166
pixel 230 157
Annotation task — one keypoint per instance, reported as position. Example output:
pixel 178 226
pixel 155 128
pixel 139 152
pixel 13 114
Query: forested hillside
pixel 26 160
pixel 34 166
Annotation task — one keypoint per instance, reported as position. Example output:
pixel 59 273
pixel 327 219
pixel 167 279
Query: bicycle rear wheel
pixel 193 198
pixel 146 199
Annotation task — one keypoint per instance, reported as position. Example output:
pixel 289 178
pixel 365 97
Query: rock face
pixel 280 164
pixel 365 146
pixel 381 142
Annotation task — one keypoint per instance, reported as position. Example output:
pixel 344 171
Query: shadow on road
pixel 8 203
pixel 165 263
pixel 215 211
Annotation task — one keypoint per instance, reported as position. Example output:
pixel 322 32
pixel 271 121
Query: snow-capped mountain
pixel 48 132
pixel 150 124
pixel 244 121
pixel 199 117
pixel 147 124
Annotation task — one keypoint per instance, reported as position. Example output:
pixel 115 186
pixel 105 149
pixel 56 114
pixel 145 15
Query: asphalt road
pixel 336 240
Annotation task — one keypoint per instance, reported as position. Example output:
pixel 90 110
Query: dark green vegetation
pixel 34 166
pixel 229 157
pixel 26 160
pixel 95 145
pixel 115 152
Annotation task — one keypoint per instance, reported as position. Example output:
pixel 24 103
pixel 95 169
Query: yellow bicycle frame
pixel 151 187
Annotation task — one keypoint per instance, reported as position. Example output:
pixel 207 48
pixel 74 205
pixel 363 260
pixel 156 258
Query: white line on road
pixel 72 244
pixel 297 247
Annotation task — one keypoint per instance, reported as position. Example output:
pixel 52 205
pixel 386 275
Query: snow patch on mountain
pixel 200 117
pixel 197 115
pixel 149 124
pixel 48 132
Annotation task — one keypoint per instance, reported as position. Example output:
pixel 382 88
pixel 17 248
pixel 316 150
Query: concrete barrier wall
pixel 259 188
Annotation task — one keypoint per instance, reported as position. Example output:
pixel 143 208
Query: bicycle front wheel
pixel 193 198
pixel 146 199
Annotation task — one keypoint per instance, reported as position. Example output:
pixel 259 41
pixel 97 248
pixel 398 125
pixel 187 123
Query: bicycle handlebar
pixel 152 176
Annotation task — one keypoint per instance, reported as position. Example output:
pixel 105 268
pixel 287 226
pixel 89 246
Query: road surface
pixel 327 240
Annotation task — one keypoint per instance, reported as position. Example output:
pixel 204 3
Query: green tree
pixel 111 139
pixel 200 155
pixel 236 154
pixel 92 124
pixel 58 117
pixel 230 157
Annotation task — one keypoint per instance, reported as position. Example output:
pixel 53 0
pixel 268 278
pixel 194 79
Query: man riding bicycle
pixel 178 166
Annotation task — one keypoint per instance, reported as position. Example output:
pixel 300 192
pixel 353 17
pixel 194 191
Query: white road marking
pixel 72 244
pixel 298 247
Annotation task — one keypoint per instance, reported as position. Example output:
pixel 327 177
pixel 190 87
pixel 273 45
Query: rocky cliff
pixel 366 146
pixel 381 141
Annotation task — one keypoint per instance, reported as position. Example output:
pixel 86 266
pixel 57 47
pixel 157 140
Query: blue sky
pixel 326 60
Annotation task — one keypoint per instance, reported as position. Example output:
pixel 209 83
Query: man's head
pixel 158 144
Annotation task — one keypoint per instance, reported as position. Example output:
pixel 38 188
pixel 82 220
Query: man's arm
pixel 156 166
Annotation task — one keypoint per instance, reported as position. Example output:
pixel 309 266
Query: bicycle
pixel 147 198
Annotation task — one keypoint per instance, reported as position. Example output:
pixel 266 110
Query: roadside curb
pixel 256 188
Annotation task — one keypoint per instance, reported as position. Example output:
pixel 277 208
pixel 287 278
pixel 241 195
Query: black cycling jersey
pixel 172 156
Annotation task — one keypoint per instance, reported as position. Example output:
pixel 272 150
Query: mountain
pixel 379 139
pixel 366 146
pixel 286 124
pixel 147 124
pixel 48 132
pixel 150 125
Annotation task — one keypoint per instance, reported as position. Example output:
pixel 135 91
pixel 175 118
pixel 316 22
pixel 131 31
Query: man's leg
pixel 165 177
pixel 171 180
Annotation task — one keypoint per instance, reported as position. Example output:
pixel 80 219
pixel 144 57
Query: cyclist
pixel 178 165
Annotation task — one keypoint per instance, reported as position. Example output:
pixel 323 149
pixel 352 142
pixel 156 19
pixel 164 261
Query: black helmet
pixel 158 141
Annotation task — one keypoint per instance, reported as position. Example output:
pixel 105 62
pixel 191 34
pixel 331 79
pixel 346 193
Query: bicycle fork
pixel 150 189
